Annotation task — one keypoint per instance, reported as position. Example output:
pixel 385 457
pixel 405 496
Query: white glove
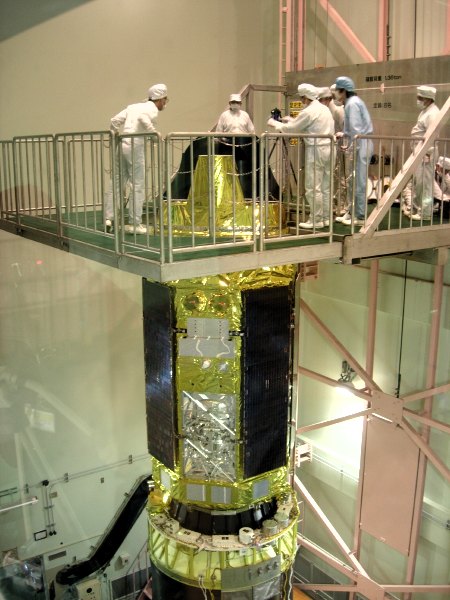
pixel 275 124
pixel 287 119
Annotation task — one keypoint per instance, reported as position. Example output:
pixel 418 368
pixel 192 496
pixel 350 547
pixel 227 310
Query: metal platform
pixel 52 191
pixel 425 243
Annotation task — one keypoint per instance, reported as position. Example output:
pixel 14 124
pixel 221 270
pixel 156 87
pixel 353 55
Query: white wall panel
pixel 72 396
pixel 75 71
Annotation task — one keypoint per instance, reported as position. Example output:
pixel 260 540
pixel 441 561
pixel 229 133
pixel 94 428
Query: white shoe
pixel 343 218
pixel 109 225
pixel 137 229
pixel 419 217
pixel 348 221
pixel 407 213
pixel 326 223
pixel 311 225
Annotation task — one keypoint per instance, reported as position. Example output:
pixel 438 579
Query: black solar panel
pixel 266 367
pixel 159 368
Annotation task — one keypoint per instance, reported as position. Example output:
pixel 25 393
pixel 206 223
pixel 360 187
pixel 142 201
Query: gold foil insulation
pixel 240 280
pixel 201 559
pixel 209 461
pixel 219 203
pixel 208 473
pixel 240 493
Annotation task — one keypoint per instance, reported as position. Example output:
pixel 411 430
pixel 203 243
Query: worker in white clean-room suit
pixel 234 119
pixel 417 197
pixel 326 95
pixel 135 118
pixel 441 184
pixel 316 119
pixel 335 107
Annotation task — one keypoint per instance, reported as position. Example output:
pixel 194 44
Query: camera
pixel 276 114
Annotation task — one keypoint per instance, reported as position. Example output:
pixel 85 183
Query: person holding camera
pixel 314 119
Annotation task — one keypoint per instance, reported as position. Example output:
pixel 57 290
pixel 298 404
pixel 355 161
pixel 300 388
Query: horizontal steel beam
pixel 394 241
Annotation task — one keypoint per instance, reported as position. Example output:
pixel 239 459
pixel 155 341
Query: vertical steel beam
pixel 289 30
pixel 299 35
pixel 285 44
pixel 446 48
pixel 436 310
pixel 372 317
pixel 281 42
pixel 383 21
pixel 370 353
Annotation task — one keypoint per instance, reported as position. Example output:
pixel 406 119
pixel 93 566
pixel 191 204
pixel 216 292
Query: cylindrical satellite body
pixel 218 356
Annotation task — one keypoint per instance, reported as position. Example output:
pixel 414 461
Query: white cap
pixel 157 91
pixel 308 90
pixel 426 91
pixel 235 98
pixel 324 92
pixel 444 162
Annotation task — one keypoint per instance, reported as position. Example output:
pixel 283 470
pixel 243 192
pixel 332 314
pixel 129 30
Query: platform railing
pixel 283 157
pixel 411 167
pixel 212 203
pixel 35 176
pixel 238 194
pixel 8 208
pixel 147 149
pixel 389 157
pixel 84 163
